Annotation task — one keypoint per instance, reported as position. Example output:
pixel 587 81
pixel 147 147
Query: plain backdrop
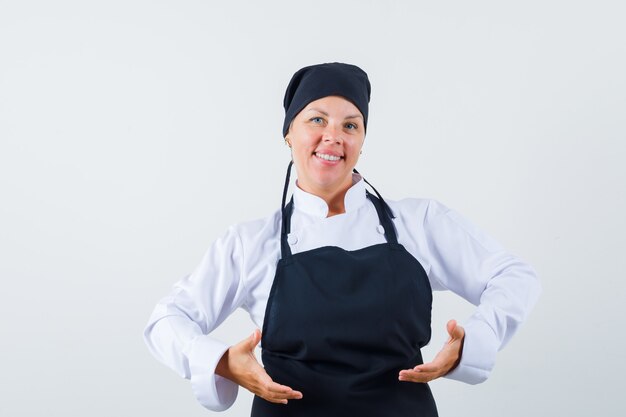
pixel 133 133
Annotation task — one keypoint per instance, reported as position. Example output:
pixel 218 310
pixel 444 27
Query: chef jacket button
pixel 380 229
pixel 292 239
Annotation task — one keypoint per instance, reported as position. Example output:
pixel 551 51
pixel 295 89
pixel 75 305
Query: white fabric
pixel 238 269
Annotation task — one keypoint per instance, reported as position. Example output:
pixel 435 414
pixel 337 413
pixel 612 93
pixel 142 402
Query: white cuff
pixel 213 391
pixel 479 353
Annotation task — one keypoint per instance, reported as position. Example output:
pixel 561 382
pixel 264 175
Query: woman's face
pixel 326 139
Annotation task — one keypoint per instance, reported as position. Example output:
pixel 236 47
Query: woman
pixel 341 283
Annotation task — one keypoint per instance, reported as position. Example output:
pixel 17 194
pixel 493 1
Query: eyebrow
pixel 354 116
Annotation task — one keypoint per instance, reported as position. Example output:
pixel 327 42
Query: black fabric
pixel 339 326
pixel 321 80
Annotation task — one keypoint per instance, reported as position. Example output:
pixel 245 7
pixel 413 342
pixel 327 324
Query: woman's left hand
pixel 445 361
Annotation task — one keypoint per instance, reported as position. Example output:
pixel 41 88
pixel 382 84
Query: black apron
pixel 339 326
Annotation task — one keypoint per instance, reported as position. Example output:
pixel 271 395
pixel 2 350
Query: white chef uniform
pixel 238 268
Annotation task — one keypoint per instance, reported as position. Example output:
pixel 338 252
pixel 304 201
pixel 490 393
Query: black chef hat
pixel 332 79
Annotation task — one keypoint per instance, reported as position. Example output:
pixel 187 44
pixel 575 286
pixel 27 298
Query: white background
pixel 133 133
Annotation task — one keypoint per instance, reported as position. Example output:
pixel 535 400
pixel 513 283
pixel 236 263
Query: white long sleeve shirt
pixel 238 269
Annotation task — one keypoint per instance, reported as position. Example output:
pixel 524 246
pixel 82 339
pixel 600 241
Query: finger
pixel 254 339
pixel 450 327
pixel 283 391
pixel 276 390
pixel 415 376
pixel 280 389
pixel 459 332
pixel 454 330
pixel 420 369
pixel 249 342
pixel 274 400
pixel 427 367
pixel 282 396
pixel 291 395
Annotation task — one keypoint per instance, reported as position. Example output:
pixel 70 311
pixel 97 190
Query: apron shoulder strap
pixel 384 217
pixel 286 211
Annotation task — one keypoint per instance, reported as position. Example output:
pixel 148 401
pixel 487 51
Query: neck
pixel 334 197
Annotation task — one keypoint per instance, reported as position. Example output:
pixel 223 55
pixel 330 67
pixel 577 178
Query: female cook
pixel 340 280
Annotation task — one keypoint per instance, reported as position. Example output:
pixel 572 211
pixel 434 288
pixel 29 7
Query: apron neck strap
pixel 385 205
pixel 285 227
pixel 383 217
pixel 384 212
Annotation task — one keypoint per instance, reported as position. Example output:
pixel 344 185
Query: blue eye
pixel 316 119
pixel 351 126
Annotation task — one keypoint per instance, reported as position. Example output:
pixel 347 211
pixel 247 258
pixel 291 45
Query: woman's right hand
pixel 240 365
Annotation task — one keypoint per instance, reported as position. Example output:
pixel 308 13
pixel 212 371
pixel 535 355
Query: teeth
pixel 328 157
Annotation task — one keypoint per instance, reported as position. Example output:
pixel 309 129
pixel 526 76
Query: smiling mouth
pixel 327 157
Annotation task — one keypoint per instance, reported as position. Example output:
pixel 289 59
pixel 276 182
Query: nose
pixel 332 134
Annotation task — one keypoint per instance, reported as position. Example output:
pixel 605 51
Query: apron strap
pixel 285 227
pixel 384 212
pixel 385 205
pixel 383 217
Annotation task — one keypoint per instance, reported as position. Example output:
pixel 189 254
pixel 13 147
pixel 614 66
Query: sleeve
pixel 177 333
pixel 473 265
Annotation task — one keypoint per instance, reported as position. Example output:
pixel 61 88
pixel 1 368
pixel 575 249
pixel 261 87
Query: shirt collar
pixel 316 206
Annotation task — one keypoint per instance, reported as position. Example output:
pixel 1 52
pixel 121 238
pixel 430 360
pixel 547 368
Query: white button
pixel 292 239
pixel 380 229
